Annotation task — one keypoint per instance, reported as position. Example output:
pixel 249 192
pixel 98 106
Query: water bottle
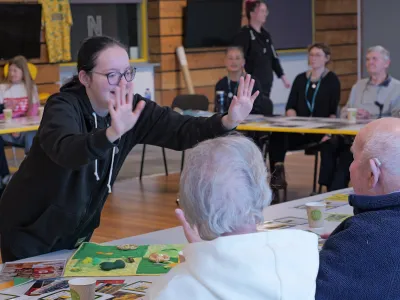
pixel 147 94
pixel 221 100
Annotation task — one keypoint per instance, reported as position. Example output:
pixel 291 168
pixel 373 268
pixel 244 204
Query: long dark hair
pixel 89 52
pixel 251 6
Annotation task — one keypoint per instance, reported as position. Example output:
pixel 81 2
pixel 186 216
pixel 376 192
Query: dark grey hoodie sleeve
pixel 61 135
pixel 161 126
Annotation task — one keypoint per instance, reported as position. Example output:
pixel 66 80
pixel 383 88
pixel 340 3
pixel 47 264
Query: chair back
pixel 193 102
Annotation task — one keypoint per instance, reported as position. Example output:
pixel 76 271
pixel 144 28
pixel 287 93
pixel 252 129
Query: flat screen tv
pixel 20 26
pixel 211 23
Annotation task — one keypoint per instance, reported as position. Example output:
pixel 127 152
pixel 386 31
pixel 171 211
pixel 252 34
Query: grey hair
pixel 223 186
pixel 385 53
pixel 382 142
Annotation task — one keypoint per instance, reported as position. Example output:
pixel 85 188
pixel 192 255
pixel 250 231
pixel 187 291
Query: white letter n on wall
pixel 94 26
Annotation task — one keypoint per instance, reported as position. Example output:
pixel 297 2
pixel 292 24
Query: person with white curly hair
pixel 223 192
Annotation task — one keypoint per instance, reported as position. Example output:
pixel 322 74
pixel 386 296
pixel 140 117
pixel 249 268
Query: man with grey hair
pixel 373 97
pixel 223 191
pixel 361 258
pixel 379 94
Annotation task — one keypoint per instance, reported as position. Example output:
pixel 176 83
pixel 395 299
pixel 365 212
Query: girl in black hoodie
pixel 55 199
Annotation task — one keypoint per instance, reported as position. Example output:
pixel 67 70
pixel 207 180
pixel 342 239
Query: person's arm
pixel 160 126
pixel 34 107
pixel 395 106
pixel 276 65
pixel 218 87
pixel 60 135
pixel 334 96
pixel 259 104
pixel 350 102
pixel 293 99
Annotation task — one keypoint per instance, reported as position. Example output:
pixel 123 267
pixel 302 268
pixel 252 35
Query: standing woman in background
pixel 259 52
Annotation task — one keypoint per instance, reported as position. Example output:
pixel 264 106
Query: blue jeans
pixel 24 139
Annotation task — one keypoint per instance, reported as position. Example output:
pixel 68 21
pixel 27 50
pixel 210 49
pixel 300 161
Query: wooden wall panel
pixel 344 52
pixel 50 88
pixel 324 22
pixel 347 81
pixel 335 7
pixel 166 9
pixel 202 77
pixel 344 67
pixel 197 60
pixel 336 25
pixel 337 37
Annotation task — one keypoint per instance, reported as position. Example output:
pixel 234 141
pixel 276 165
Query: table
pixel 20 125
pixel 291 124
pixel 301 125
pixel 176 236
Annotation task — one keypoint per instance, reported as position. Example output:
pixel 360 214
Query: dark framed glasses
pixel 115 77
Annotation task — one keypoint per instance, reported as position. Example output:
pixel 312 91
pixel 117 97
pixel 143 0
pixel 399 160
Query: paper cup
pixel 315 214
pixel 82 288
pixel 352 115
pixel 7 114
pixel 40 111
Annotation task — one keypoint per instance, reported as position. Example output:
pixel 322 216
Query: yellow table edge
pixel 248 127
pixel 19 129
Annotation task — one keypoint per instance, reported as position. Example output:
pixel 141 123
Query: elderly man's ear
pixel 375 172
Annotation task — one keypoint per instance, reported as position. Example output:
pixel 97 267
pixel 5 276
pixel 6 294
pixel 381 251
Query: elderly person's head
pixel 223 187
pixel 376 150
pixel 377 60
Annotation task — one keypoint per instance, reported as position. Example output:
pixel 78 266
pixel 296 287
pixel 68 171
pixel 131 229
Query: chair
pixel 183 102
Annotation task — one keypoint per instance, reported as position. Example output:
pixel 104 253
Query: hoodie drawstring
pixel 109 177
pixel 112 161
pixel 95 162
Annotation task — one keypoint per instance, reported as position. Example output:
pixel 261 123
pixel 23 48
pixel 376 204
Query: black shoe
pixel 278 179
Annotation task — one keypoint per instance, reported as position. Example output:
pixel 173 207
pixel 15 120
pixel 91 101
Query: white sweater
pixel 281 264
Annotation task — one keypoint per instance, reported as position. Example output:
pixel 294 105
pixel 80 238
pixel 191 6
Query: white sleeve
pixel 350 102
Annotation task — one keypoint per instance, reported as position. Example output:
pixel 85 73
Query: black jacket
pixel 54 199
pixel 261 57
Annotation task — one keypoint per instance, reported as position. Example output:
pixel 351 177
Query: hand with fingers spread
pixel 241 104
pixel 122 117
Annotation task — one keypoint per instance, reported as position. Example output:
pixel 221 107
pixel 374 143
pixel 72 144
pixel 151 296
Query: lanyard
pixel 230 93
pixel 312 104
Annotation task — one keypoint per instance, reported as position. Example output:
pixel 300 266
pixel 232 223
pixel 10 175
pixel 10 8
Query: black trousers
pixel 280 143
pixel 340 156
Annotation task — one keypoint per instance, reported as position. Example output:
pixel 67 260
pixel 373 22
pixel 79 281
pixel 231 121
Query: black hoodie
pixel 56 197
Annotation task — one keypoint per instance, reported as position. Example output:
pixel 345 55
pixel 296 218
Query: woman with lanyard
pixel 259 53
pixel 227 87
pixel 54 201
pixel 315 93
